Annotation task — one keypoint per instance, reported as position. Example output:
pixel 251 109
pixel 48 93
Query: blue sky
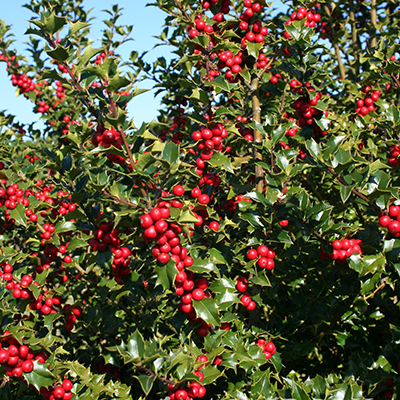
pixel 147 22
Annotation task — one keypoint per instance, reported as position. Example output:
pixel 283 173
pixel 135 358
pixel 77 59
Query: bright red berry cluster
pixel 107 138
pixel 269 348
pixel 311 19
pixel 394 156
pixel 58 392
pixel 366 105
pixel 306 108
pixel 342 249
pixel 263 255
pixel 245 299
pixel 391 221
pixel 18 359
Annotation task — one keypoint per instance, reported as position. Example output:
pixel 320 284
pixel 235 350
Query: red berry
pixel 179 190
pixel 252 254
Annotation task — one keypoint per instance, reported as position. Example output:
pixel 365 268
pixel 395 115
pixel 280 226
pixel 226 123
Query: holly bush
pixel 245 245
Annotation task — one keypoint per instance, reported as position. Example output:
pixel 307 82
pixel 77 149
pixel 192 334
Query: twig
pixel 354 191
pixel 261 73
pixel 375 291
pixel 337 50
pixel 118 200
pixel 373 23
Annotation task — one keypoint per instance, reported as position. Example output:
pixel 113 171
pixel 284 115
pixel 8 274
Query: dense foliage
pixel 243 246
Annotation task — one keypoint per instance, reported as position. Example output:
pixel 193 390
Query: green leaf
pixel 345 192
pixel 53 23
pixel 146 382
pixel 170 153
pixel 261 280
pixel 66 163
pixel 59 53
pixel 200 96
pixel 202 266
pixel 118 82
pixel 222 161
pixel 87 55
pixel 262 385
pixel 135 345
pixel 76 243
pixel 254 48
pixel 313 148
pixel 166 274
pixel 104 258
pixel 18 213
pixel 211 374
pixel 40 376
pixel 187 217
pixel 294 31
pixel 221 83
pixel 64 226
pixel 77 26
pixel 393 114
pixel 253 218
pixel 207 310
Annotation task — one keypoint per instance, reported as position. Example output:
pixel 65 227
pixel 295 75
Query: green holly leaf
pixel 40 376
pixel 208 311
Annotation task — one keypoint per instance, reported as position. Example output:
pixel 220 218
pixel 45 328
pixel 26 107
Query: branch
pixel 277 53
pixel 183 11
pixel 337 50
pixel 255 101
pixel 375 291
pixel 118 200
pixel 374 18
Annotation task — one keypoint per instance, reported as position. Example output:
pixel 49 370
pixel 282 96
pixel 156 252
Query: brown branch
pixel 277 53
pixel 123 136
pixel 117 199
pixel 396 81
pixel 375 291
pixel 255 101
pixel 374 19
pixel 153 374
pixel 183 11
pixel 337 50
pixel 354 36
pixel 354 191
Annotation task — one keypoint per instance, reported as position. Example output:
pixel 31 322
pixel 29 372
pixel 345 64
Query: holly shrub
pixel 245 245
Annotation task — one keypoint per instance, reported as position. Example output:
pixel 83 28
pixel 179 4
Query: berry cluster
pixel 224 5
pixel 391 221
pixel 18 359
pixel 194 389
pixel 394 156
pixel 100 58
pixel 366 105
pixel 269 348
pixel 58 392
pixel 230 62
pixel 262 61
pixel 105 236
pixel 264 255
pixel 258 31
pixel 342 249
pixel 311 19
pixel 231 204
pixel 11 196
pixel 209 140
pixel 24 83
pixel 245 299
pixel 121 263
pixel 107 138
pixel 306 108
